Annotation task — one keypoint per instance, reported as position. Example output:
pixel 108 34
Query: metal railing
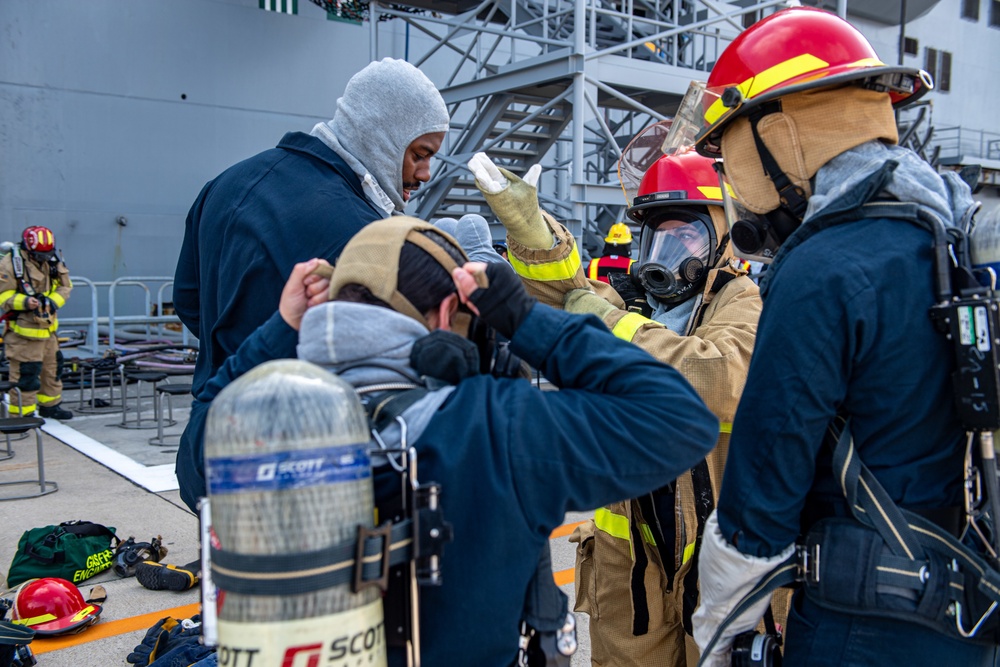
pixel 961 142
pixel 118 316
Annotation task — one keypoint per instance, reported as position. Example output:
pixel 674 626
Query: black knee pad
pixel 31 376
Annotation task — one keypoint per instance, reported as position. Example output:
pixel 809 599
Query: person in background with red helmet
pixel 636 558
pixel 34 285
pixel 848 416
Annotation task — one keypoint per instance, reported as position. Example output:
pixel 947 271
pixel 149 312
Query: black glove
pixel 504 303
pixel 153 643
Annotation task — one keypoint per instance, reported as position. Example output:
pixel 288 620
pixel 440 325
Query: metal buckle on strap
pixel 385 532
pixel 808 563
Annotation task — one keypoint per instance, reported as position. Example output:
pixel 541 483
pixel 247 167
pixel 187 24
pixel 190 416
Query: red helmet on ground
pixel 791 51
pixel 38 239
pixel 52 606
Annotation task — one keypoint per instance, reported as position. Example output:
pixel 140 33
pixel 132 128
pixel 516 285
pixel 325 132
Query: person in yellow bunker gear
pixel 636 571
pixel 34 285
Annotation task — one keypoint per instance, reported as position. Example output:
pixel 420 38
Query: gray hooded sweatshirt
pixel 384 108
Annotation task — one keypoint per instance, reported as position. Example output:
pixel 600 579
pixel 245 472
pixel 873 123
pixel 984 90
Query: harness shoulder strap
pixel 383 408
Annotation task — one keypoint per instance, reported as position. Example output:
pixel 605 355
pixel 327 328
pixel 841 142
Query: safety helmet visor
pixel 674 252
pixel 700 108
pixel 642 152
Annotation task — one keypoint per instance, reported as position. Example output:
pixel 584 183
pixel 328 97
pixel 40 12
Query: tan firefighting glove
pixel 584 301
pixel 514 201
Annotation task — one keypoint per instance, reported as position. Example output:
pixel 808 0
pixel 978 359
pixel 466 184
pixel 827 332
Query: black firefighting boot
pixel 54 412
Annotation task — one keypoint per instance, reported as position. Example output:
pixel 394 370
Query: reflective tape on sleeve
pixel 626 327
pixel 562 269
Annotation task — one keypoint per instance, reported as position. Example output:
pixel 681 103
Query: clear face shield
pixel 753 237
pixel 674 253
pixel 640 154
pixel 699 108
pixel 666 137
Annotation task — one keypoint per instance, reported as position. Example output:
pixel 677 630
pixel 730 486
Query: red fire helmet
pixel 52 606
pixel 684 179
pixel 38 239
pixel 790 51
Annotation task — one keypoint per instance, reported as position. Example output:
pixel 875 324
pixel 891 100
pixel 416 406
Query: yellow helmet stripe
pixel 714 192
pixel 767 79
pixel 35 620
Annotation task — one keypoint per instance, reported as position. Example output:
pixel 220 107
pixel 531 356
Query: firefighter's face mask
pixel 42 257
pixel 675 253
pixel 755 237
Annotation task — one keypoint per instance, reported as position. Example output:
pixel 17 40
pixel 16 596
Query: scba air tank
pixel 286 452
pixel 984 245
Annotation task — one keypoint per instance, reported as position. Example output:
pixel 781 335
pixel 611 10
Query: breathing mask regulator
pixel 758 237
pixel 675 253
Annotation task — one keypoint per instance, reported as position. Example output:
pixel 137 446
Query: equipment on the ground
pixel 53 606
pixel 14 640
pixel 164 577
pixel 172 642
pixel 129 554
pixel 74 550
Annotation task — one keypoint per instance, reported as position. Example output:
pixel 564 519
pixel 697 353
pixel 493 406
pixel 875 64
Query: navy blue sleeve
pixel 622 423
pixel 186 279
pixel 272 340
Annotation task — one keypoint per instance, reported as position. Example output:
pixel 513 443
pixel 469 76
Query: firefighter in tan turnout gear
pixel 34 285
pixel 635 572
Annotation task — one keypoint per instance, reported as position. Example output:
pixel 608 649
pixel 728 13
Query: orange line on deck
pixel 564 576
pixel 564 530
pixel 112 628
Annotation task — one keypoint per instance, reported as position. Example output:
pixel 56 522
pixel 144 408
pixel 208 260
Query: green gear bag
pixel 73 550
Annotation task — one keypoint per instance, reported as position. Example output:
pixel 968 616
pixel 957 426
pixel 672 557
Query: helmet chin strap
pixel 787 217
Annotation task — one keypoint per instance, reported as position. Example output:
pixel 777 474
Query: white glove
pixel 725 576
pixel 489 178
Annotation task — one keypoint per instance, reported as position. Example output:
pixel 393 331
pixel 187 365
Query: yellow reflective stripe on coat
pixel 688 552
pixel 27 332
pixel 8 294
pixel 563 269
pixel 20 301
pixel 57 299
pixel 626 327
pixel 726 427
pixel 592 269
pixel 616 525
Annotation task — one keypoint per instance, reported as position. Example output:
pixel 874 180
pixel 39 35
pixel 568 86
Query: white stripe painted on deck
pixel 153 478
